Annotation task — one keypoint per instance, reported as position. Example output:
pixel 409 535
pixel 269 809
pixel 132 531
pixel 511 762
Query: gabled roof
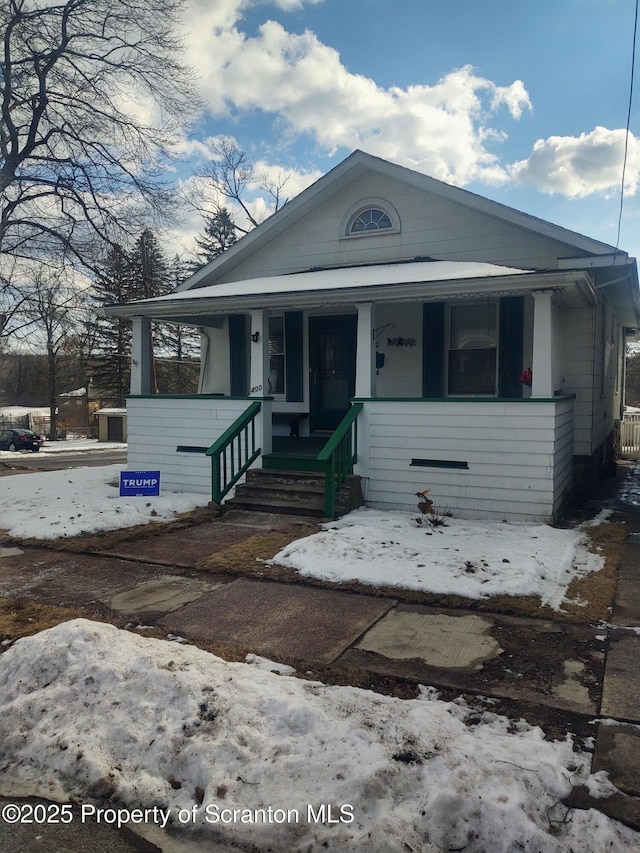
pixel 356 165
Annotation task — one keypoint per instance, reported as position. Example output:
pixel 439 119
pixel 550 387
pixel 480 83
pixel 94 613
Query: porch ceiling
pixel 423 280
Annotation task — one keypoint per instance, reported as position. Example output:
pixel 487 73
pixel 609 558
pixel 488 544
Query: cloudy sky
pixel 523 102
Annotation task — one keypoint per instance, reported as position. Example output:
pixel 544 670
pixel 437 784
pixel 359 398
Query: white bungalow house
pixel 477 351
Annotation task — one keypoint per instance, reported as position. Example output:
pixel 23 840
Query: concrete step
pixel 313 509
pixel 293 492
pixel 257 491
pixel 289 478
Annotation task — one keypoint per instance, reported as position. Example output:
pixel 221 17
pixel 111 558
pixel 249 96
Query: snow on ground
pixel 74 445
pixel 53 504
pixel 475 559
pixel 249 757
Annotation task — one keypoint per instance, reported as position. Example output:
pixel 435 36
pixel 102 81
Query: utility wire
pixel 626 137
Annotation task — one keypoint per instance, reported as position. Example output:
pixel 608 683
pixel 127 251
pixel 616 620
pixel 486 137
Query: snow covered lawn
pixel 241 754
pixel 474 559
pixel 53 504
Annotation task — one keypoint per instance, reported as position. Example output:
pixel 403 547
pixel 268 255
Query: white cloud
pixel 442 129
pixel 445 129
pixel 515 97
pixel 580 166
pixel 294 5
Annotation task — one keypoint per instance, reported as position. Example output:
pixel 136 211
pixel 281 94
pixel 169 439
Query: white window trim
pixel 365 204
pixel 447 348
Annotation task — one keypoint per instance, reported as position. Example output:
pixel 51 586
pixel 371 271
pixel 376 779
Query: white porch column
pixel 141 362
pixel 542 361
pixel 365 351
pixel 259 373
pixel 259 358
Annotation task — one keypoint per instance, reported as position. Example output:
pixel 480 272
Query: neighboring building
pixel 73 410
pixel 486 347
pixel 112 424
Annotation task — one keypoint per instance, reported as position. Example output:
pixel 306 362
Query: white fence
pixel 630 434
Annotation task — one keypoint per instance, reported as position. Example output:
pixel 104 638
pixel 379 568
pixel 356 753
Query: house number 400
pixel 256 388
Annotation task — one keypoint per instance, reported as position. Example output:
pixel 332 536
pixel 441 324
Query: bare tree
pixel 50 309
pixel 10 300
pixel 230 176
pixel 92 96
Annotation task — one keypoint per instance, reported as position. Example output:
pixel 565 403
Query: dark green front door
pixel 332 365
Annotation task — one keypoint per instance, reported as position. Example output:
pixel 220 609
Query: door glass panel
pixel 334 379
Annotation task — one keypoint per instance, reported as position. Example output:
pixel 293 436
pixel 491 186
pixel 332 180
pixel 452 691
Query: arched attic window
pixel 369 217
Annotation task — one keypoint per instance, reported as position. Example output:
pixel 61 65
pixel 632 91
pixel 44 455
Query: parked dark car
pixel 20 439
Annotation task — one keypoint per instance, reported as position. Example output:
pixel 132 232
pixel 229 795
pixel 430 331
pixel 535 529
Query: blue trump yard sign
pixel 134 483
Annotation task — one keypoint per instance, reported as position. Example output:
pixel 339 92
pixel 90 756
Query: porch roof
pixel 378 282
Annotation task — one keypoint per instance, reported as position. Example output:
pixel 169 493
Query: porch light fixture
pixel 255 337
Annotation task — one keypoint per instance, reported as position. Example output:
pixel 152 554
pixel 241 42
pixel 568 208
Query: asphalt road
pixel 36 833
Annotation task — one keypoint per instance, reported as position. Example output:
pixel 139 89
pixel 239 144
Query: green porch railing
pixel 234 452
pixel 338 456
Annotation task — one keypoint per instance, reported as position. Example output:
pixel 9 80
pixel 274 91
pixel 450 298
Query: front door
pixel 332 366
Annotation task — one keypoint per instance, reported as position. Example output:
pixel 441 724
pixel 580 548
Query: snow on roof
pixel 347 277
pixel 79 392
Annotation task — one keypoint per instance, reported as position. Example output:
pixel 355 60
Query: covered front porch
pixel 411 382
pixel 491 458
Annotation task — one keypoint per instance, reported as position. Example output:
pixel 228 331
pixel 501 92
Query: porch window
pixel 472 349
pixel 276 355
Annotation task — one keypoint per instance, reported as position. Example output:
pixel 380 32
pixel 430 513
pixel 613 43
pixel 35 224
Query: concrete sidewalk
pixel 617 748
pixel 544 670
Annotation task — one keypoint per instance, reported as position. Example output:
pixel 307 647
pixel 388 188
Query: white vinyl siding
pixel 431 227
pixel 519 456
pixel 580 356
pixel 157 425
pixel 401 375
pixel 215 362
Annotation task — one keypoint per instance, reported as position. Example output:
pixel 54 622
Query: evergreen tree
pixel 149 267
pixel 111 370
pixel 178 370
pixel 142 273
pixel 151 273
pixel 219 234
